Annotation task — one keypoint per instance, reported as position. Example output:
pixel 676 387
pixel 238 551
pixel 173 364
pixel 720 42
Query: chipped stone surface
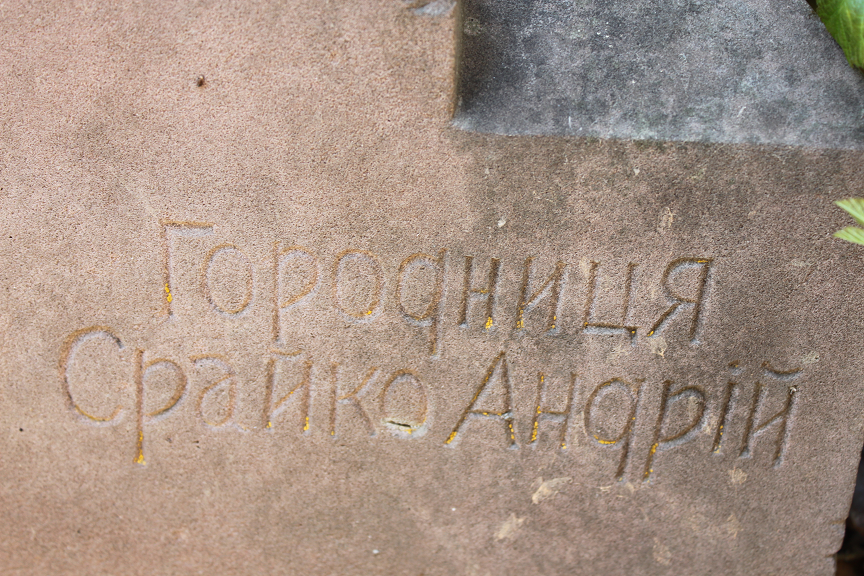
pixel 549 488
pixel 291 319
pixel 754 71
pixel 509 528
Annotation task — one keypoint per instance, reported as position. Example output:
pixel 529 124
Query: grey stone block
pixel 741 71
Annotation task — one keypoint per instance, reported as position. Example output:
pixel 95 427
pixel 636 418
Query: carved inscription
pixel 358 300
pixel 404 405
pixel 664 438
pixel 218 398
pixel 276 402
pixel 593 326
pixel 486 294
pixel 174 232
pixel 234 300
pixel 542 413
pixel 780 419
pixel 549 288
pixel 633 420
pixel 496 377
pixel 622 437
pixel 428 315
pixel 361 289
pixel 353 399
pixel 694 302
pixel 77 342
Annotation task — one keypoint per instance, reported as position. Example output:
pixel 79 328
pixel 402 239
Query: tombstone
pixel 267 309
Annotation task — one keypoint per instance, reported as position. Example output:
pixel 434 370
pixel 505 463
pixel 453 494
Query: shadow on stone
pixel 850 557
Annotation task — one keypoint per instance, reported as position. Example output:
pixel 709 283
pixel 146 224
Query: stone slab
pixel 739 71
pixel 238 336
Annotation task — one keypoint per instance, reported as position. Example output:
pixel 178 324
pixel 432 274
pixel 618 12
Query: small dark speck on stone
pixel 201 81
pixel 20 429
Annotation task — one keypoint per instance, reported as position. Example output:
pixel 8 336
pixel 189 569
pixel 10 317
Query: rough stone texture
pixel 742 71
pixel 143 436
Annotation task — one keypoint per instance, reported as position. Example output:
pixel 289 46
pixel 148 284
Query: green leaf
pixel 855 207
pixel 851 234
pixel 845 21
